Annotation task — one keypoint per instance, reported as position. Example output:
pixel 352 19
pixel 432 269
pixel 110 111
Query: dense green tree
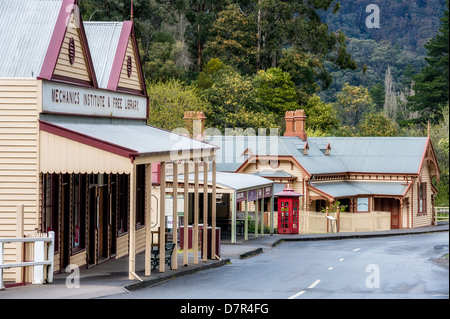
pixel 275 91
pixel 307 72
pixel 162 56
pixel 321 117
pixel 378 95
pixel 377 124
pixel 149 18
pixel 233 99
pixel 432 83
pixel 201 15
pixel 233 40
pixel 440 139
pixel 169 100
pixel 353 103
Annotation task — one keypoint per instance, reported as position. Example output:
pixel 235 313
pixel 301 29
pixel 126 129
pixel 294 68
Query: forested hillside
pixel 399 42
pixel 406 23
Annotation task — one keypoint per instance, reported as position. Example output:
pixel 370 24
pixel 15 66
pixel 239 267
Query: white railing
pixel 40 263
pixel 440 214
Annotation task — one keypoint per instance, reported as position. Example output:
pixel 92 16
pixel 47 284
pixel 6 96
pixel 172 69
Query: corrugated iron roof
pixel 365 155
pixel 234 181
pixel 26 27
pixel 143 139
pixel 348 154
pixel 103 38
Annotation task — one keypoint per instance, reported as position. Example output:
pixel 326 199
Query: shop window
pixel 422 199
pixel 78 211
pixel 50 194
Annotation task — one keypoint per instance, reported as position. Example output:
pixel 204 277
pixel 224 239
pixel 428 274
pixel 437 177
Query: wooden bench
pixel 168 255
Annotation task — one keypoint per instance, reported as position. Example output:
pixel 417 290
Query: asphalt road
pixel 398 267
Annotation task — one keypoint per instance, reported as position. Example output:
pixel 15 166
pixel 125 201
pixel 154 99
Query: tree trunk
pixel 258 50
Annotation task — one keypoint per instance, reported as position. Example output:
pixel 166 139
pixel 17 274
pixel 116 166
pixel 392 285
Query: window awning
pixel 109 148
pixel 357 188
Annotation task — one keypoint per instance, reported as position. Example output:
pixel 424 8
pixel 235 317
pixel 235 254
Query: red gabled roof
pixel 51 58
pixel 127 32
pixel 429 153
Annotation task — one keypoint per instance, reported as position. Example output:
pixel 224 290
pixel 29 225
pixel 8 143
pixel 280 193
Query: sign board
pixel 78 100
pixel 252 195
pixel 169 205
pixel 240 197
pixel 260 193
pixel 268 191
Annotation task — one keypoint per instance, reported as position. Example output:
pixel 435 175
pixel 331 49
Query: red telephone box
pixel 288 207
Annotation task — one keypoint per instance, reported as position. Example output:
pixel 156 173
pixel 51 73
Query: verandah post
pixel 175 216
pixel 205 210
pixel 246 219
pixel 162 220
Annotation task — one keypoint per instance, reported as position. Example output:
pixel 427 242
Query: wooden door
pixel 65 222
pixel 395 213
pixel 92 227
pixel 391 205
pixel 102 223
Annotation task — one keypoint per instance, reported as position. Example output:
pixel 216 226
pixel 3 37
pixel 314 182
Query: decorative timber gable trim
pixel 255 158
pixel 126 74
pixel 429 158
pixel 68 58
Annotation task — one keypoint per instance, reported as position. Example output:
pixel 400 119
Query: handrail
pixel 39 256
pixel 25 240
pixel 442 211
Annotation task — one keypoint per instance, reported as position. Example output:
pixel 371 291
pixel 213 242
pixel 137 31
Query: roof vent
pixel 302 146
pixel 325 148
pixel 247 152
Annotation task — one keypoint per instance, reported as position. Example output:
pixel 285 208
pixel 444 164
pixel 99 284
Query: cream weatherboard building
pixel 76 155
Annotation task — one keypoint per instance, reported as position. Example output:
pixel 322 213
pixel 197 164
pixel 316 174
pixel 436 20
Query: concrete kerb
pixel 251 253
pixel 340 236
pixel 181 272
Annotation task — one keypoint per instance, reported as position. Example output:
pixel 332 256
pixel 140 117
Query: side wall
pixel 19 171
pixel 420 220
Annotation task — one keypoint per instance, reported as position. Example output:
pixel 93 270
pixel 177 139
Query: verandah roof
pixel 233 181
pixel 109 148
pixel 358 188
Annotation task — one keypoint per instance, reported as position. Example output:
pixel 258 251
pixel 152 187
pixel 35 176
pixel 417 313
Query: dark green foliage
pixel 432 83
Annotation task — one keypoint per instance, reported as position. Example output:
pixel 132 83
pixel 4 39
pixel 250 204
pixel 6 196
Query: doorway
pixel 65 222
pixel 103 224
pixel 102 215
pixel 391 205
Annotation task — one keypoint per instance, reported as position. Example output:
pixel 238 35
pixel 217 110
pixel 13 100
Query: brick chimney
pixel 195 123
pixel 295 124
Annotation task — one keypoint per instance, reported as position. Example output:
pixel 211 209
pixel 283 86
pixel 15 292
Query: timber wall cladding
pixel 79 69
pixel 133 81
pixel 19 100
pixel 423 219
